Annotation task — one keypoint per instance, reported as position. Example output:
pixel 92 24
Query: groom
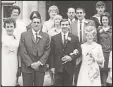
pixel 34 51
pixel 62 55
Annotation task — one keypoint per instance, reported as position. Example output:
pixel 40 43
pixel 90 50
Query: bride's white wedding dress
pixel 9 59
pixel 89 74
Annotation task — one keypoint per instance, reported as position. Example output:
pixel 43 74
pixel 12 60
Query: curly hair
pixel 15 7
pixel 8 21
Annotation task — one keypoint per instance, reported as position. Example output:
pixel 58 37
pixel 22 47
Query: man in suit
pixel 62 59
pixel 78 28
pixel 34 51
pixel 71 15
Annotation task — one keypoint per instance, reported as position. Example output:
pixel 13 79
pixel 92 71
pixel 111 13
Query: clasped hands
pixel 35 65
pixel 66 59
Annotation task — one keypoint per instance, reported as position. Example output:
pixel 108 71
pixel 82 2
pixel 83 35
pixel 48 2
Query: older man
pixel 34 51
pixel 71 15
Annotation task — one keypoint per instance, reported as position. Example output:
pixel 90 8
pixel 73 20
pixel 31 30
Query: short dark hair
pixel 37 14
pixel 108 16
pixel 15 7
pixel 8 21
pixel 80 8
pixel 37 18
pixel 64 20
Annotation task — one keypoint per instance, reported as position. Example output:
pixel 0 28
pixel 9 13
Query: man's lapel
pixel 60 39
pixel 67 42
pixel 32 37
pixel 76 27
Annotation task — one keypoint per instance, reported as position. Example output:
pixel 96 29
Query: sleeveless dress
pixel 9 59
pixel 89 74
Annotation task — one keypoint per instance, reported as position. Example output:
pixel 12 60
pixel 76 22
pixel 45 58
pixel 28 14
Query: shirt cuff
pixel 40 63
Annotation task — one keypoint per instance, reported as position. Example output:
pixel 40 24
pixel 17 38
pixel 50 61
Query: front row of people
pixel 35 48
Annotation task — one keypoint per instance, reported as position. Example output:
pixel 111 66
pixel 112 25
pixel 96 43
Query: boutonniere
pixel 39 36
pixel 86 22
pixel 101 30
pixel 69 38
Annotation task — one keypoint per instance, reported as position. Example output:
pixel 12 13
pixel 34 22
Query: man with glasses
pixel 34 51
pixel 77 28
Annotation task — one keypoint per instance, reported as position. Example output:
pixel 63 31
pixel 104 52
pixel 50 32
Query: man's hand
pixel 53 70
pixel 75 52
pixel 66 59
pixel 35 65
pixel 19 72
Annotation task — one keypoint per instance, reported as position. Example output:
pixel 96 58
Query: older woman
pixel 53 11
pixel 105 39
pixel 92 58
pixel 56 29
pixel 9 53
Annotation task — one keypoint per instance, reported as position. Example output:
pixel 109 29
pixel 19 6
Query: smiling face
pixel 89 37
pixel 36 24
pixel 57 21
pixel 15 14
pixel 105 21
pixel 80 14
pixel 65 26
pixel 52 13
pixel 9 28
pixel 100 9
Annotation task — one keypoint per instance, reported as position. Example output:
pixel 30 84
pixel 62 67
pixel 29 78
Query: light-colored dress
pixel 47 25
pixel 89 74
pixel 9 59
pixel 53 32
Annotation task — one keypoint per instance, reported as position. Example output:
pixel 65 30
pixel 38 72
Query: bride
pixel 9 53
pixel 92 58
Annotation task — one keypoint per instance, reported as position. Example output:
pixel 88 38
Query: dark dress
pixel 105 39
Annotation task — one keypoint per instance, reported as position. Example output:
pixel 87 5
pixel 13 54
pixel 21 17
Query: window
pixel 6 5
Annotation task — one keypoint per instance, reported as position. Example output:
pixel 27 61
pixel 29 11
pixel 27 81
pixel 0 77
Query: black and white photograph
pixel 56 43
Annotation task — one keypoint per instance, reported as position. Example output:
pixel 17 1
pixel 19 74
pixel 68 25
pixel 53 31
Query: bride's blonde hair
pixel 90 30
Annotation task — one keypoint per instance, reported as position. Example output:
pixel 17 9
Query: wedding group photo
pixel 56 43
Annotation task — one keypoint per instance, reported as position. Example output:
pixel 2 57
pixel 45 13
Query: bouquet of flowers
pixel 93 72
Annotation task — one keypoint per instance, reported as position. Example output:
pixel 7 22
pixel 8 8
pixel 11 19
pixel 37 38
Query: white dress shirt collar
pixel 72 19
pixel 65 34
pixel 34 32
pixel 83 20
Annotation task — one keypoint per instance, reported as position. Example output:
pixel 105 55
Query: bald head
pixel 71 13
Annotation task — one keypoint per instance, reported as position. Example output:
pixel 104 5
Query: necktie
pixel 36 37
pixel 81 32
pixel 64 39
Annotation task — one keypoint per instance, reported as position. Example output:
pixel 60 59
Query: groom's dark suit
pixel 63 72
pixel 32 51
